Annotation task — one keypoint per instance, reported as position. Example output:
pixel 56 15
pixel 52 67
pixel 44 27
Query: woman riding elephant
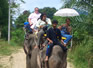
pixel 43 23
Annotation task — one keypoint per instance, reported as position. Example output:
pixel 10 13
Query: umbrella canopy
pixel 66 12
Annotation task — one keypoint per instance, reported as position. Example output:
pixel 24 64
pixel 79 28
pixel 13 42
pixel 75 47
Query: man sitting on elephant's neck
pixel 52 35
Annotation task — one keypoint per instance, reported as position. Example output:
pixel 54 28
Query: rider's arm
pixel 50 40
pixel 29 18
pixel 49 21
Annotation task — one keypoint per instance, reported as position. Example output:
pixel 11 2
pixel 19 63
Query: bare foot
pixel 43 45
pixel 36 47
pixel 46 59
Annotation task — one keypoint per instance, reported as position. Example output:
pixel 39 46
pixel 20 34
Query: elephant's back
pixel 57 58
pixel 56 50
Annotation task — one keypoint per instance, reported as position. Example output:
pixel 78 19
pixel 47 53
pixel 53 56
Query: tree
pixel 82 33
pixel 84 4
pixel 49 11
pixel 3 17
pixel 86 20
pixel 22 18
pixel 18 33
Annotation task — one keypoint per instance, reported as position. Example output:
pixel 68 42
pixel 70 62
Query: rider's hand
pixel 41 26
pixel 31 24
pixel 45 21
pixel 50 41
pixel 62 42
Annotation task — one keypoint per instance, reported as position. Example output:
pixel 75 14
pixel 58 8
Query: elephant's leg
pixel 28 64
pixel 46 64
pixel 39 61
pixel 33 60
pixel 25 47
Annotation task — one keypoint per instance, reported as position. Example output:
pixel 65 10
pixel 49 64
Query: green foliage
pixel 4 32
pixel 82 28
pixel 69 3
pixel 49 11
pixel 61 20
pixel 15 9
pixel 7 49
pixel 82 55
pixel 3 12
pixel 1 66
pixel 18 33
pixel 22 18
pixel 4 6
pixel 18 36
pixel 3 17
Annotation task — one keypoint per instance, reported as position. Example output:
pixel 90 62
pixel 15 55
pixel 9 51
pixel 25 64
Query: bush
pixel 82 54
pixel 18 36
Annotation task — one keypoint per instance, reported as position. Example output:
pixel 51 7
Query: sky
pixel 31 4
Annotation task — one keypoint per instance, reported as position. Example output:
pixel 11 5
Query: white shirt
pixel 40 22
pixel 34 17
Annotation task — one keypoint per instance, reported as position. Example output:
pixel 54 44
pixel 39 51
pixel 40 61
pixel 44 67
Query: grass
pixel 81 55
pixel 1 66
pixel 7 49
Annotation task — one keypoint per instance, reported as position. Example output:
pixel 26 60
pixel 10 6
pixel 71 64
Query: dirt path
pixel 69 65
pixel 18 60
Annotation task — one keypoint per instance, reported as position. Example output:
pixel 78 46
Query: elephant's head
pixel 29 43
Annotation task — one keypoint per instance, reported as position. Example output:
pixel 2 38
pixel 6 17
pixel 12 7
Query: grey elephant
pixel 35 58
pixel 29 43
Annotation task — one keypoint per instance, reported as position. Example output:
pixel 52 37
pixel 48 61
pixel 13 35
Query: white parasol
pixel 66 12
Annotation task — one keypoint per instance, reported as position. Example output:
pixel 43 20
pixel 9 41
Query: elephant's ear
pixel 31 36
pixel 32 41
pixel 27 36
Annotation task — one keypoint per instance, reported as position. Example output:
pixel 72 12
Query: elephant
pixel 35 58
pixel 57 59
pixel 29 43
